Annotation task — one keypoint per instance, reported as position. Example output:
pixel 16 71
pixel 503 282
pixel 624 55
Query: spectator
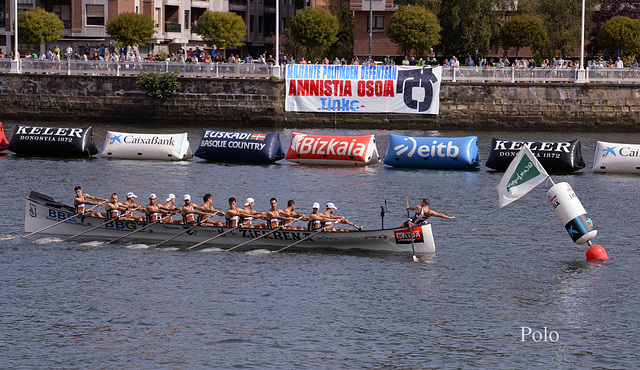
pixel 470 62
pixel 634 64
pixel 412 61
pixel 248 59
pixel 476 58
pixel 336 61
pixel 197 53
pixel 619 63
pixel 405 61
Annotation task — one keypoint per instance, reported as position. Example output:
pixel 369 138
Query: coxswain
pixel 423 213
pixel 274 216
pixel 153 211
pixel 316 219
pixel 209 211
pixel 131 206
pixel 249 214
pixel 171 209
pixel 290 212
pixel 335 219
pixel 80 202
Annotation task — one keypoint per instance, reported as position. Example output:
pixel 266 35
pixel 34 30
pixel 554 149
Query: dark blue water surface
pixel 495 271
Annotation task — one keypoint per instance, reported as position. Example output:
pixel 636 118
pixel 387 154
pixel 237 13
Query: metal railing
pixel 251 70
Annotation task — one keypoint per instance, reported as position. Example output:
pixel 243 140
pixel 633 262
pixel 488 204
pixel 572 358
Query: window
pixel 95 15
pixel 137 10
pixel 260 30
pixel 63 12
pixel 378 23
pixel 251 24
pixel 186 20
pixel 156 17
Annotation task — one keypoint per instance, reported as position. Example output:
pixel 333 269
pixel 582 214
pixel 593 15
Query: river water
pixel 497 273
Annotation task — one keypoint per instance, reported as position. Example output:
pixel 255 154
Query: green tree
pixel 620 33
pixel 223 29
pixel 343 47
pixel 131 29
pixel 314 30
pixel 470 25
pixel 521 31
pixel 37 26
pixel 607 10
pixel 414 28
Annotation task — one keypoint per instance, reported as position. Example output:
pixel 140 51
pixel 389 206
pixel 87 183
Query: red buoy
pixel 596 252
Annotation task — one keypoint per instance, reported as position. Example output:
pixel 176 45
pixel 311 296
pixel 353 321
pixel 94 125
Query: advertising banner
pixel 362 89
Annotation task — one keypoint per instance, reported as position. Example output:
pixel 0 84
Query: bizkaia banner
pixel 363 89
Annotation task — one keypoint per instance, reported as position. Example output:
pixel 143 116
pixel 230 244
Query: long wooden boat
pixel 42 211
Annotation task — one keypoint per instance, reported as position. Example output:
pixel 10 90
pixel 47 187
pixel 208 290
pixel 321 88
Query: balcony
pixel 172 27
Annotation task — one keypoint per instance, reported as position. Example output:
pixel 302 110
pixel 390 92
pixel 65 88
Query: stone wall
pixel 251 102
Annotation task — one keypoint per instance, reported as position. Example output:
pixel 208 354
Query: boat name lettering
pixel 436 149
pixel 49 131
pixel 59 215
pixel 231 135
pixel 311 145
pixel 626 151
pixel 278 235
pixel 327 238
pixel 350 238
pixel 544 146
pixel 122 225
pixel 131 139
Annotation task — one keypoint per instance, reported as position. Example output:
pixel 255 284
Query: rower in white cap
pixel 153 211
pixel 170 207
pixel 316 219
pixel 334 219
pixel 249 214
pixel 132 206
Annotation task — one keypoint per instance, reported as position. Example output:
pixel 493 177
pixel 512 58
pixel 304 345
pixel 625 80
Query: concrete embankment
pixel 250 102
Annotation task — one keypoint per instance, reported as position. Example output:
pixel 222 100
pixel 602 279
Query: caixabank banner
pixel 362 89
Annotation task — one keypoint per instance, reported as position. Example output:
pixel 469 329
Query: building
pixel 175 21
pixel 381 45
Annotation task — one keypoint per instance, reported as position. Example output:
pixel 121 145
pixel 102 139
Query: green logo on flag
pixel 524 172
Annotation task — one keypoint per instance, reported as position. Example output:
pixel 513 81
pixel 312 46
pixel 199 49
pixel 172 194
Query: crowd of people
pixel 192 214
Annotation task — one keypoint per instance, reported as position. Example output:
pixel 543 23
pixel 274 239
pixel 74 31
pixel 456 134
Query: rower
pixel 115 209
pixel 209 211
pixel 153 211
pixel 80 202
pixel 233 214
pixel 249 215
pixel 188 211
pixel 290 212
pixel 131 207
pixel 274 216
pixel 335 219
pixel 316 219
pixel 171 209
pixel 423 213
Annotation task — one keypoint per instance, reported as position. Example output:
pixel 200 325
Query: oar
pixel 173 237
pixel 413 250
pixel 254 239
pixel 59 222
pixel 133 232
pixel 90 229
pixel 213 237
pixel 301 240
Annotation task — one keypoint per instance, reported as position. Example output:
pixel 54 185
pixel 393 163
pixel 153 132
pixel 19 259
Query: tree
pixel 343 47
pixel 314 30
pixel 131 29
pixel 521 31
pixel 620 34
pixel 414 28
pixel 38 26
pixel 470 25
pixel 607 10
pixel 223 29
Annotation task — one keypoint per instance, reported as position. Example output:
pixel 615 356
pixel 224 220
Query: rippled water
pixel 495 270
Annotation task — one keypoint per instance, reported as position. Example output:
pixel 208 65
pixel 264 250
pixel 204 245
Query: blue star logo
pixel 590 222
pixel 571 231
pixel 115 138
pixel 609 150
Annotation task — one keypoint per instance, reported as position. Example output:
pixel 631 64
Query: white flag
pixel 524 173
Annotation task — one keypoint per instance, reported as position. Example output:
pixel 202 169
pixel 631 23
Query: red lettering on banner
pixel 378 88
pixel 369 88
pixel 292 87
pixel 314 87
pixel 347 88
pixel 303 87
pixel 388 88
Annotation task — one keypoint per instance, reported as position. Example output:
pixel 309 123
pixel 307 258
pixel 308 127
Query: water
pixel 93 305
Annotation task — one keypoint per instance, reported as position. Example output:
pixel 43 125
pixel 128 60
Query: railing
pixel 251 70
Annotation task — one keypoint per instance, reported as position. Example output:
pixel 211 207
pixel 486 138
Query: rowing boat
pixel 42 211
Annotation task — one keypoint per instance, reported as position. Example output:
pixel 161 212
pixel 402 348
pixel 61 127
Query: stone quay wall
pixel 258 102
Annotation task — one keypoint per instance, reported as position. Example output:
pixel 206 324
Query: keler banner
pixel 362 89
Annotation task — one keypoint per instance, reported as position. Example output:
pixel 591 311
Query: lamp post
pixel 582 73
pixel 15 62
pixel 276 66
pixel 370 27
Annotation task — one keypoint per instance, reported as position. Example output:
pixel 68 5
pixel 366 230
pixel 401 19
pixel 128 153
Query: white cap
pixel 131 195
pixel 316 205
pixel 331 205
pixel 249 201
pixel 152 196
pixel 187 197
pixel 171 196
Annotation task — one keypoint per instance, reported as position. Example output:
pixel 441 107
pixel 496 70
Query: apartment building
pixel 381 45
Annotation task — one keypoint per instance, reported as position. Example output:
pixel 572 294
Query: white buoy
pixel 571 213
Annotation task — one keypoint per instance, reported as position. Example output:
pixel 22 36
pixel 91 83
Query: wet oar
pixel 90 229
pixel 301 240
pixel 213 237
pixel 175 236
pixel 61 221
pixel 254 239
pixel 413 250
pixel 133 232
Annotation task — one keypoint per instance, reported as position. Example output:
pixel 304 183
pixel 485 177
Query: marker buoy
pixel 596 252
pixel 571 213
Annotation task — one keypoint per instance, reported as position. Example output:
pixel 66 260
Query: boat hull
pixel 38 215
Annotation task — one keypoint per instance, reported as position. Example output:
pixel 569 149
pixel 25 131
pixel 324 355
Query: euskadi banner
pixel 362 89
